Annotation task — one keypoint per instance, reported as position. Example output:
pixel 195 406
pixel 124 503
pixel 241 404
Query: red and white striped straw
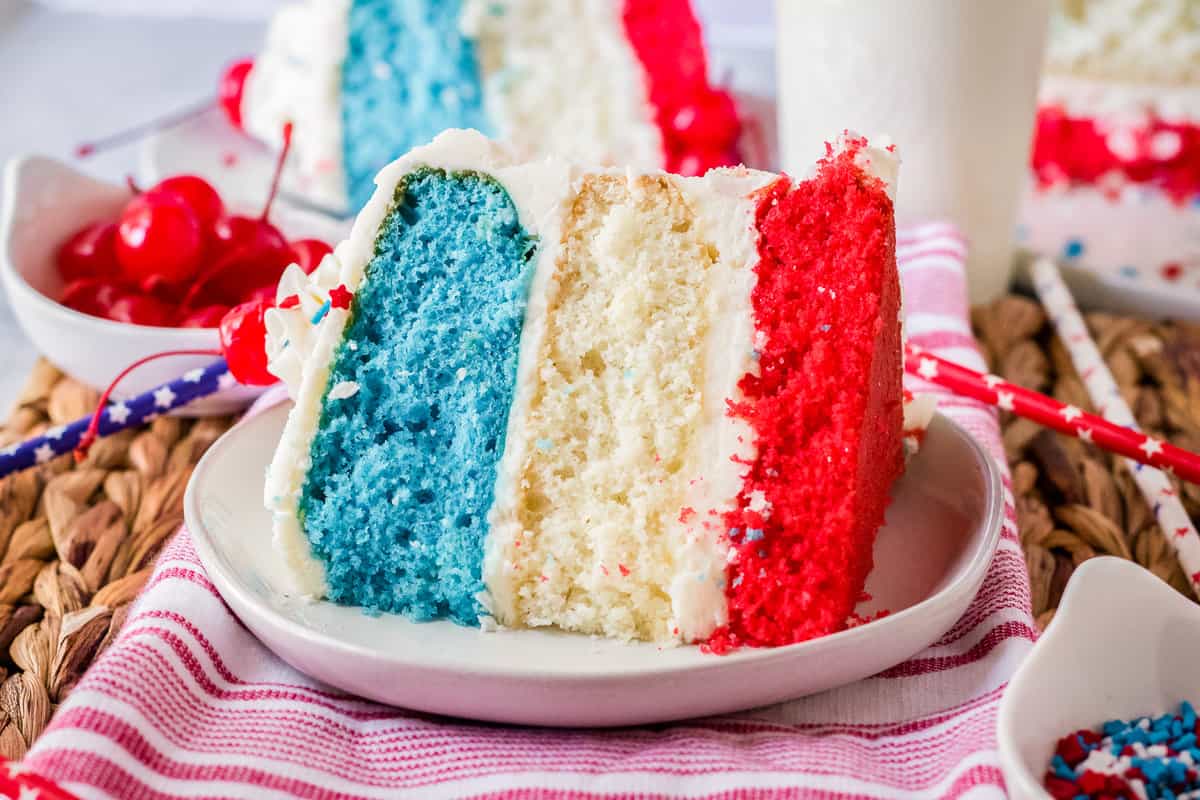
pixel 1044 410
pixel 1160 494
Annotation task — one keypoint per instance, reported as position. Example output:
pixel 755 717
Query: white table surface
pixel 67 77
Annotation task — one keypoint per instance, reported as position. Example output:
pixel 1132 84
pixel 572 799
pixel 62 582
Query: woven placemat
pixel 1075 501
pixel 78 542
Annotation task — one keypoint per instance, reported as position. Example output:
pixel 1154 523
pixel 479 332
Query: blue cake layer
pixel 409 74
pixel 402 473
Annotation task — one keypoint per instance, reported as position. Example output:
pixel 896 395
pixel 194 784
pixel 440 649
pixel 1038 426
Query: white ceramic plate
pixel 1123 644
pixel 931 557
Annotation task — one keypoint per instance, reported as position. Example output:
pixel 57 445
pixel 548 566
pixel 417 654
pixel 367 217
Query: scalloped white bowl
pixel 1123 644
pixel 43 203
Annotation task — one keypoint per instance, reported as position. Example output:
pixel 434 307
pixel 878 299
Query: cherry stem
pixel 140 131
pixel 132 184
pixel 283 154
pixel 93 430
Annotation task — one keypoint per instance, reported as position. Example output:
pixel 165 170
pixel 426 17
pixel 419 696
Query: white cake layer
pixel 298 78
pixel 723 205
pixel 560 77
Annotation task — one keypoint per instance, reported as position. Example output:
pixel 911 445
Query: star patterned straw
pixel 1045 410
pixel 117 416
pixel 1155 485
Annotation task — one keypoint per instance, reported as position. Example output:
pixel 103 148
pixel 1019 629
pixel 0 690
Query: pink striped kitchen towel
pixel 186 703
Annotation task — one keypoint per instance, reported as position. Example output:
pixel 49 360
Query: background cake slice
pixel 1116 157
pixel 622 403
pixel 601 81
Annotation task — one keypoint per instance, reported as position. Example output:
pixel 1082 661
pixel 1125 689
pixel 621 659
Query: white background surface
pixel 68 75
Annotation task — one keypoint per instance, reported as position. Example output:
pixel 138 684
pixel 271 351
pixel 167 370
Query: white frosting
pixel 297 77
pixel 724 204
pixel 1120 104
pixel 725 210
pixel 560 76
pixel 1132 40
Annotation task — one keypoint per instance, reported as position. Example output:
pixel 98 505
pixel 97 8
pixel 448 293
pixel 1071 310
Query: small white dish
pixel 43 203
pixel 1123 644
pixel 942 530
pixel 239 166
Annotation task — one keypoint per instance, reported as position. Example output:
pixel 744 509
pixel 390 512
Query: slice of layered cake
pixel 623 403
pixel 602 81
pixel 1116 159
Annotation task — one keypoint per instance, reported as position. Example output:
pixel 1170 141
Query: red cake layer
pixel 699 123
pixel 1084 150
pixel 825 408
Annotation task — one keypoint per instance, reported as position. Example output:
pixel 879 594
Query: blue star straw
pixel 117 416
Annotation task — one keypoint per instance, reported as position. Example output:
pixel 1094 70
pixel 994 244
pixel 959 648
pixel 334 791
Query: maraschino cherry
pixel 90 253
pixel 141 309
pixel 159 237
pixel 207 317
pixel 243 336
pixel 197 194
pixel 309 253
pixel 232 88
pixel 94 296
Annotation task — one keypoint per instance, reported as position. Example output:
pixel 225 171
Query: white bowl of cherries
pixel 100 275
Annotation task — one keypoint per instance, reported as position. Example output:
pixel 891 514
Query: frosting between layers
pixel 1121 103
pixel 560 77
pixel 297 78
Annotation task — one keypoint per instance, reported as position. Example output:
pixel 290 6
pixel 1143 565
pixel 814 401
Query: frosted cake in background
pixel 621 403
pixel 603 81
pixel 1116 160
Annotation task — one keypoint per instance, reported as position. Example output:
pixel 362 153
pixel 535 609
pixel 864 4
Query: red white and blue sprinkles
pixel 1148 758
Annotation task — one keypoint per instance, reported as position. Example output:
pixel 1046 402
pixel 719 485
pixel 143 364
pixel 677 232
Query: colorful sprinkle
pixel 321 312
pixel 1143 758
pixel 340 296
pixel 1172 270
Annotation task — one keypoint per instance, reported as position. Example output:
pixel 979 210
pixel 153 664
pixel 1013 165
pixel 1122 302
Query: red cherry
pixel 243 340
pixel 90 296
pixel 710 121
pixel 158 236
pixel 232 231
pixel 207 317
pixel 89 253
pixel 197 194
pixel 309 252
pixel 264 294
pixel 231 89
pixel 139 309
pixel 246 270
